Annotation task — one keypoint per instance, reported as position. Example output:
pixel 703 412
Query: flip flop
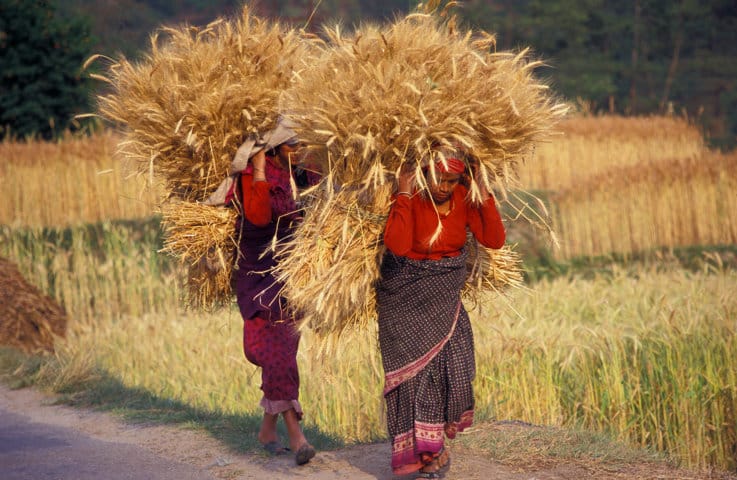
pixel 274 448
pixel 442 464
pixel 443 461
pixel 304 454
pixel 424 475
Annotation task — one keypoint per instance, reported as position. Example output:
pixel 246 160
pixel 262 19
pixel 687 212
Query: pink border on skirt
pixel 424 438
pixel 397 377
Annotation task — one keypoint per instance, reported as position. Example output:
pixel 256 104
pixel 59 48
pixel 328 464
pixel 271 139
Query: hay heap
pixel 186 107
pixel 29 320
pixel 395 92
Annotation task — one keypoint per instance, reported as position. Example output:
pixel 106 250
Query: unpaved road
pixel 39 440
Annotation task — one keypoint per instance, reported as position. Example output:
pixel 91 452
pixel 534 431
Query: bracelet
pixel 260 179
pixel 404 193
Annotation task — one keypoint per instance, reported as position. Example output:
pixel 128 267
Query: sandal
pixel 423 475
pixel 443 460
pixel 304 454
pixel 274 448
pixel 437 467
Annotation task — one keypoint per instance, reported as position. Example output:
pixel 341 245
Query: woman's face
pixel 287 153
pixel 442 190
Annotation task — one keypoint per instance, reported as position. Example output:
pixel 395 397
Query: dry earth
pixel 360 462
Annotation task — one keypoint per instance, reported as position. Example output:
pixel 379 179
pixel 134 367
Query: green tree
pixel 631 57
pixel 41 56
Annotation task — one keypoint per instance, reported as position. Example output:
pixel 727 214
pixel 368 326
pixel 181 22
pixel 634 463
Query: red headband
pixel 452 165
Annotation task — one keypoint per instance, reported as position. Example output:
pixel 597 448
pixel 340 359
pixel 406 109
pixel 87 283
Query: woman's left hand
pixel 477 177
pixel 483 191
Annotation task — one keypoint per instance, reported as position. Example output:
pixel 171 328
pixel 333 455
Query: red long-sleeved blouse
pixel 256 200
pixel 265 201
pixel 413 221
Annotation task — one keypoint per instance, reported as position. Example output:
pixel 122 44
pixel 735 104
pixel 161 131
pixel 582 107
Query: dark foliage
pixel 636 57
pixel 41 57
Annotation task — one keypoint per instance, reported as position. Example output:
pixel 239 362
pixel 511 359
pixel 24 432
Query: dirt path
pixel 173 447
pixel 173 444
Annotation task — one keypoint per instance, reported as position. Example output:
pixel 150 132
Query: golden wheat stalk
pixel 400 90
pixel 187 106
pixel 491 270
pixel 396 93
pixel 184 110
pixel 202 238
pixel 330 264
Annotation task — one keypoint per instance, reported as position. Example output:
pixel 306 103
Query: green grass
pixel 640 350
pixel 691 258
pixel 102 391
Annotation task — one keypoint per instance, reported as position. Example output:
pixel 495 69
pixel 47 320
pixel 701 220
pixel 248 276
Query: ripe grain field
pixel 644 352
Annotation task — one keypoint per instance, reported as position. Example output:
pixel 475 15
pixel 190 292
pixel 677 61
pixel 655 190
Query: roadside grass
pixel 526 445
pixel 575 341
pixel 513 443
pixel 99 390
pixel 520 445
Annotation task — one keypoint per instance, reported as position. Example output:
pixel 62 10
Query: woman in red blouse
pixel 424 331
pixel 270 338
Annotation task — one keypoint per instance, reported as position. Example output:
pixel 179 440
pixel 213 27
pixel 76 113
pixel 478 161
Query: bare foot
pixel 294 430
pixel 304 452
pixel 267 433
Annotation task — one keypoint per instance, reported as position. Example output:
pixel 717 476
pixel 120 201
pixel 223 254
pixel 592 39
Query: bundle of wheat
pixel 188 105
pixel 29 320
pixel 198 94
pixel 202 237
pixel 330 264
pixel 491 270
pixel 397 93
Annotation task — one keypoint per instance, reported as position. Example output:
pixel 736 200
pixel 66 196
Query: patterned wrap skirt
pixel 270 336
pixel 428 355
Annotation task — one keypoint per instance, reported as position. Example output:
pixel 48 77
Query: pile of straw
pixel 29 320
pixel 397 92
pixel 189 104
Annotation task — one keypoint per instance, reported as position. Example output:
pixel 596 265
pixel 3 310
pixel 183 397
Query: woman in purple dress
pixel 270 338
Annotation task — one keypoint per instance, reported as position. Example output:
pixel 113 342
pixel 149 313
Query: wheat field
pixel 647 354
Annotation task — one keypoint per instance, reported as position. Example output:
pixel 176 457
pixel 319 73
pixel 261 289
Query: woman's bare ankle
pixel 294 430
pixel 267 432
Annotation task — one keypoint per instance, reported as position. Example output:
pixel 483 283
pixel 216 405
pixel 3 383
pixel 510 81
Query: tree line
pixel 626 57
pixel 631 57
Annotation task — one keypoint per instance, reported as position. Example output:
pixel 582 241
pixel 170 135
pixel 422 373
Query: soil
pixel 201 451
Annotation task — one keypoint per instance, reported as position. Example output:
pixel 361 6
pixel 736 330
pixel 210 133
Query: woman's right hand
pixel 259 165
pixel 259 160
pixel 406 180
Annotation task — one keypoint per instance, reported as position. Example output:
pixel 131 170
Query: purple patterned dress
pixel 270 339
